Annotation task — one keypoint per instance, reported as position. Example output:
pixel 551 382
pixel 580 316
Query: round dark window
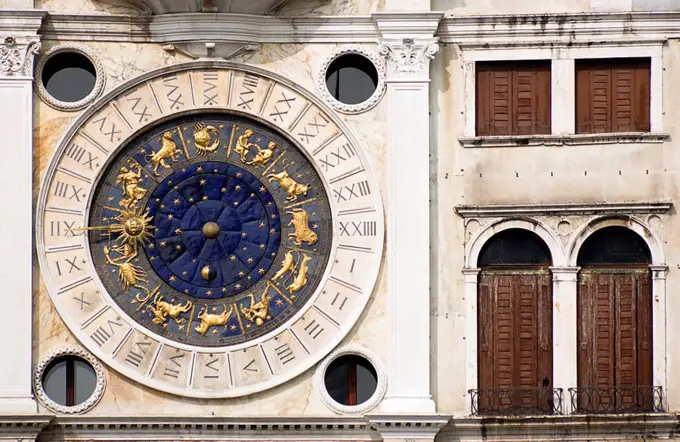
pixel 69 76
pixel 351 380
pixel 69 380
pixel 351 78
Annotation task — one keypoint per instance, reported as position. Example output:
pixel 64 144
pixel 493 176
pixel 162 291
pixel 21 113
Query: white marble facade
pixel 443 192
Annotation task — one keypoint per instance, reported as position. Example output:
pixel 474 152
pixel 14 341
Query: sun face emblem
pixel 133 227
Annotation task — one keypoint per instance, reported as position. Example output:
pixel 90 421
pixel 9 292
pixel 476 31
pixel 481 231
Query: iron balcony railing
pixel 626 399
pixel 516 401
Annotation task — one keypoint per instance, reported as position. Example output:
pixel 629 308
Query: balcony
pixel 516 401
pixel 634 399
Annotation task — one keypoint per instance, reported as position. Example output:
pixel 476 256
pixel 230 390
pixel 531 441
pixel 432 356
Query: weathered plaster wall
pixel 124 397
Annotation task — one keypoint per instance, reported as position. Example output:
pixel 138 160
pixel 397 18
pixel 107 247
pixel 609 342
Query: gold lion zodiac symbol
pixel 292 188
pixel 202 136
pixel 163 310
pixel 131 189
pixel 302 233
pixel 168 149
pixel 129 274
pixel 301 278
pixel 210 319
pixel 258 311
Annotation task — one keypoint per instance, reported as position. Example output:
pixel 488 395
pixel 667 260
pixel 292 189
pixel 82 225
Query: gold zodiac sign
pixel 301 279
pixel 302 233
pixel 132 227
pixel 262 155
pixel 258 311
pixel 209 320
pixel 242 144
pixel 162 309
pixel 168 150
pixel 131 189
pixel 129 274
pixel 202 136
pixel 292 188
pixel 288 265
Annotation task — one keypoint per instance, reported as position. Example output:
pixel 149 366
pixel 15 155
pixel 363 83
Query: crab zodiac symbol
pixel 202 136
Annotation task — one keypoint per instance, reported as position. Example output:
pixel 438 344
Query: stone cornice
pixel 22 427
pixel 21 22
pixel 496 30
pixel 209 428
pixel 407 426
pixel 601 208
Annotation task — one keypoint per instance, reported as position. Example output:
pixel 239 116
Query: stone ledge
pixel 563 140
pixel 596 208
pixel 23 427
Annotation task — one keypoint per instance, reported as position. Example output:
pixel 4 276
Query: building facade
pixel 339 220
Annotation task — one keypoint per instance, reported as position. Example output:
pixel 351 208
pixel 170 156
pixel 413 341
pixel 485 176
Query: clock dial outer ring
pixel 363 216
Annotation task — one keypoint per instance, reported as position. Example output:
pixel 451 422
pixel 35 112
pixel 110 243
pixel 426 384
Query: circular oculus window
pixel 69 380
pixel 352 79
pixel 70 77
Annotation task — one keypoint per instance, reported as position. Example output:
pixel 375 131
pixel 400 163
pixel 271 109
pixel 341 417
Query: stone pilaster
pixel 408 44
pixel 17 50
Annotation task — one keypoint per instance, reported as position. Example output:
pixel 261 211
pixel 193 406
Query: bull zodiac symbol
pixel 210 319
pixel 292 188
pixel 168 149
pixel 302 232
pixel 202 136
pixel 164 309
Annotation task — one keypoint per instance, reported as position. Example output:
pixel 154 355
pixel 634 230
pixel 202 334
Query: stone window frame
pixel 563 90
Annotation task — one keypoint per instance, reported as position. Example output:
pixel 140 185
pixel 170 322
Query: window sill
pixel 563 140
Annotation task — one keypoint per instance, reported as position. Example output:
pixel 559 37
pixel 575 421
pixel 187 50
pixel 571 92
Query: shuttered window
pixel 513 98
pixel 612 95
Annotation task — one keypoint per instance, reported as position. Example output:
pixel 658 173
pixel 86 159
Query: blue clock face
pixel 210 230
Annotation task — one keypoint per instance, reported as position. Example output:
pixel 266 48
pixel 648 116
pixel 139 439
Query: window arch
pixel 514 247
pixel 614 245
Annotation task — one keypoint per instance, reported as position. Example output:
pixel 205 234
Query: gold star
pixel 224 290
pixel 315 225
pixel 232 257
pixel 172 278
pixel 268 317
pixel 153 258
pixel 250 260
pixel 105 219
pixel 176 187
pixel 184 273
pixel 244 249
pixel 181 327
pixel 272 230
pixel 110 198
pixel 235 203
pixel 261 271
pixel 151 246
pixel 313 213
pixel 214 309
pixel 202 182
pixel 292 296
pixel 273 215
pixel 162 206
pixel 199 169
pixel 214 170
pixel 209 293
pixel 186 290
pixel 269 203
pixel 273 253
pixel 299 175
pixel 170 216
pixel 238 286
pixel 205 198
pixel 262 246
pixel 232 327
pixel 279 302
pixel 176 202
pixel 158 200
pixel 178 247
pixel 191 200
pixel 142 150
pixel 163 243
pixel 241 273
pixel 224 189
pixel 261 226
pixel 239 175
pixel 243 234
pixel 247 325
pixel 238 187
pixel 214 332
pixel 178 231
pixel 263 189
pixel 170 182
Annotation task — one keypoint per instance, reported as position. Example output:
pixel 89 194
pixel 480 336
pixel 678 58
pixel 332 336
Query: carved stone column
pixel 408 44
pixel 16 218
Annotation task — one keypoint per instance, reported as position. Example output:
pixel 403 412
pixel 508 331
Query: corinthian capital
pixel 409 57
pixel 16 59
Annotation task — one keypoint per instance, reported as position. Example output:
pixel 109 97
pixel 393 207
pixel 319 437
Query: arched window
pixel 614 323
pixel 514 325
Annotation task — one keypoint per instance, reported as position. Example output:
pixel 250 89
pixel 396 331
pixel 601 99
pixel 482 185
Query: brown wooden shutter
pixel 612 95
pixel 513 98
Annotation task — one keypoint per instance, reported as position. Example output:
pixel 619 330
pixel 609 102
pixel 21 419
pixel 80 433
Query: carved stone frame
pixel 100 77
pixel 97 394
pixel 368 104
pixel 364 407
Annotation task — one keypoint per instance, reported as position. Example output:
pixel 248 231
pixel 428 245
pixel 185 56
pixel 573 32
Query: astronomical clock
pixel 209 231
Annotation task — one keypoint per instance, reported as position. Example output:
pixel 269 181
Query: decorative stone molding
pixel 16 59
pixel 379 64
pixel 563 140
pixel 22 428
pixel 409 58
pixel 603 208
pixel 380 389
pixel 404 426
pixel 100 77
pixel 209 428
pixel 80 408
